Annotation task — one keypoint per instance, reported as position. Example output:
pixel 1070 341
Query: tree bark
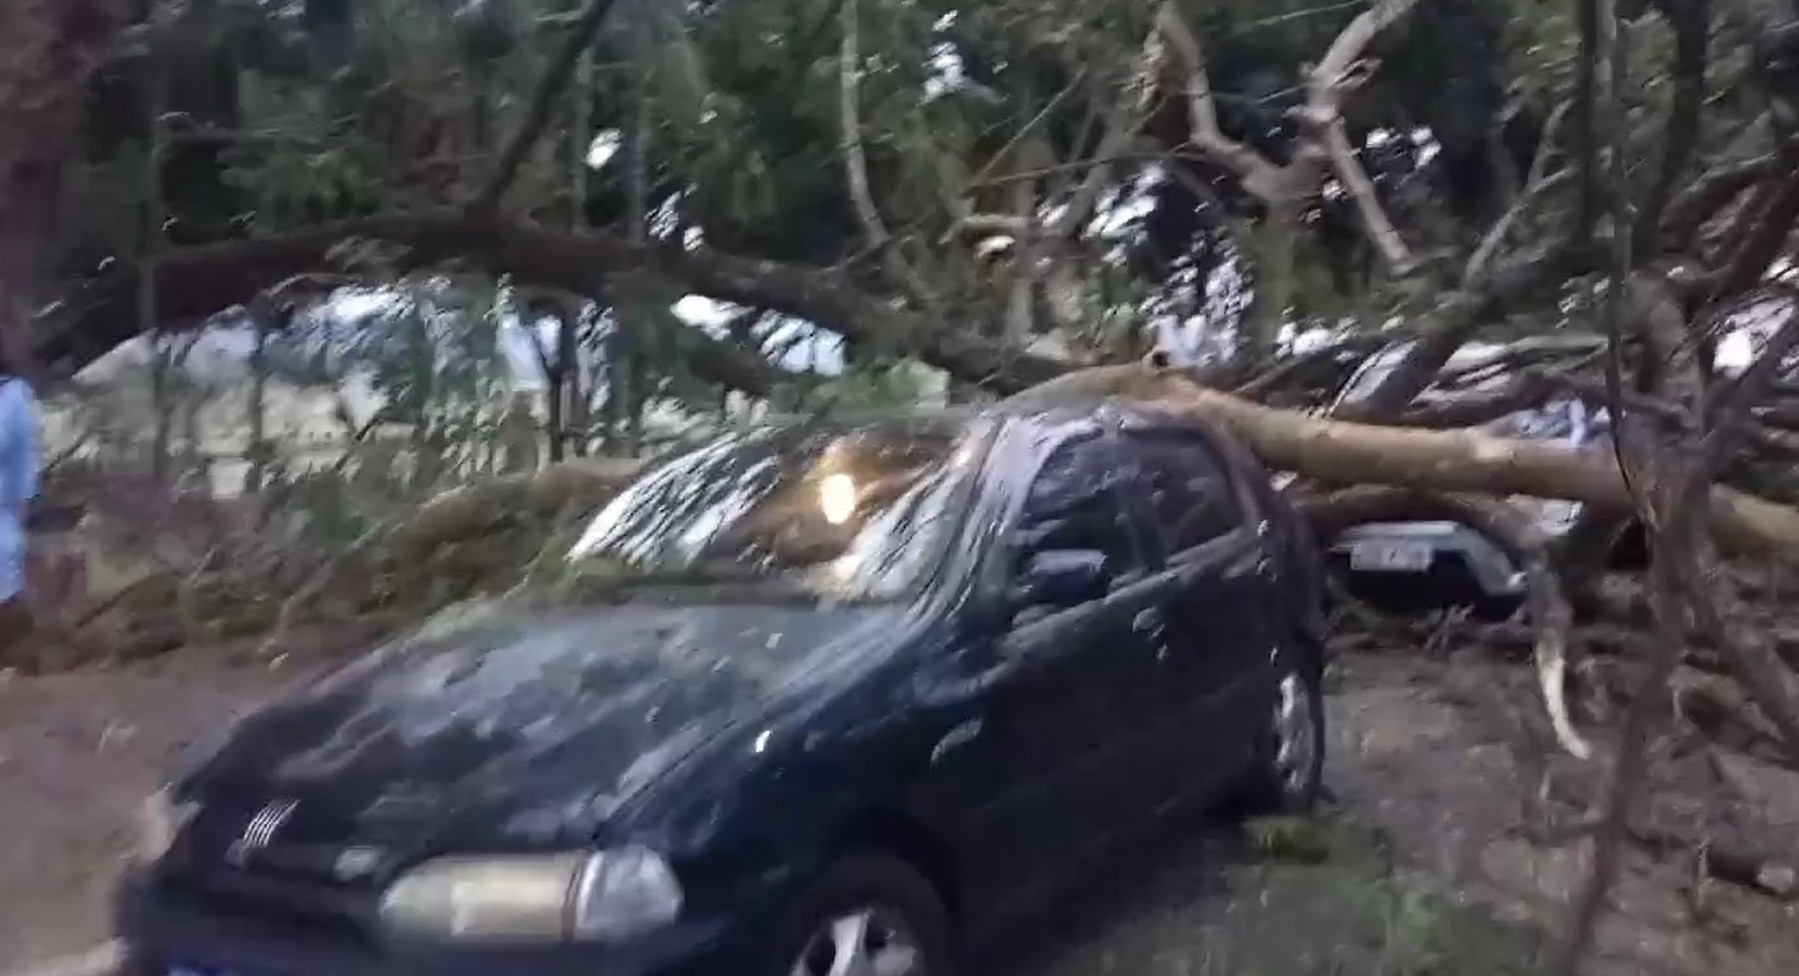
pixel 47 49
pixel 1272 246
pixel 466 511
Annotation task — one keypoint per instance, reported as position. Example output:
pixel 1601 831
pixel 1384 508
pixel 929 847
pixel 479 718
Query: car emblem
pixel 260 831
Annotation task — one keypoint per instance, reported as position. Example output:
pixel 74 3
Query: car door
pixel 1217 597
pixel 1055 763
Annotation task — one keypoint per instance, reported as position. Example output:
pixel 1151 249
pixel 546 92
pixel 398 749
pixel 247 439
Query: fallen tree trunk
pixel 1342 452
pixel 466 511
pixel 195 282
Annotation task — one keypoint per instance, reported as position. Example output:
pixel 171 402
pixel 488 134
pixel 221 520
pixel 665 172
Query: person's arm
pixel 32 443
pixel 18 446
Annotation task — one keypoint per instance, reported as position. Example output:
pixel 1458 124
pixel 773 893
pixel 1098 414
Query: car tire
pixel 1287 776
pixel 868 904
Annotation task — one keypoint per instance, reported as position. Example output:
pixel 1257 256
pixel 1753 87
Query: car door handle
pixel 1255 563
pixel 1150 625
pixel 1148 622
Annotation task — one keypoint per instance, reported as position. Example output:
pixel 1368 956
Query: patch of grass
pixel 1299 840
pixel 1337 883
pixel 1426 934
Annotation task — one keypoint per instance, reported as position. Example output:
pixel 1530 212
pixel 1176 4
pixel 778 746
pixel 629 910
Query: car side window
pixel 1185 488
pixel 1072 517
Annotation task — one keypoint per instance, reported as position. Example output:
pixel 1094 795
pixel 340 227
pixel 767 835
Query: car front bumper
pixel 166 930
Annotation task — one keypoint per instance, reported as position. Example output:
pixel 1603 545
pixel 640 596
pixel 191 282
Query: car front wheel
pixel 1289 771
pixel 869 916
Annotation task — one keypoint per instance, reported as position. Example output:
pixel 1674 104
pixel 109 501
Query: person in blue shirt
pixel 18 486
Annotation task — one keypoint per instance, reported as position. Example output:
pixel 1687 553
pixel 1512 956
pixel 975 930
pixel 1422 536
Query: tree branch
pixel 1460 313
pixel 1585 135
pixel 1122 126
pixel 1343 70
pixel 855 162
pixel 1261 178
pixel 1769 231
pixel 194 283
pixel 829 299
pixel 1374 219
pixel 1473 274
pixel 1537 184
pixel 537 115
pixel 1706 195
pixel 1691 20
pixel 200 281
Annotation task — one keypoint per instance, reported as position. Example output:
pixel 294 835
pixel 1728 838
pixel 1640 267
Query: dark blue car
pixel 811 700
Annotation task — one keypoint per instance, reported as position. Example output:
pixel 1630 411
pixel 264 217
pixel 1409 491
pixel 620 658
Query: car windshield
pixel 847 512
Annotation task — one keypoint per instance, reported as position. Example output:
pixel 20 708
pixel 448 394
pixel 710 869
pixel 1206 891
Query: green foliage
pixel 866 390
pixel 746 146
pixel 1301 840
pixel 120 189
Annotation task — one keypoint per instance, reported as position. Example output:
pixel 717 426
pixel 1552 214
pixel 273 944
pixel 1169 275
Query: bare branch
pixel 530 129
pixel 1342 71
pixel 1667 505
pixel 1261 178
pixel 1768 229
pixel 1472 274
pixel 1457 314
pixel 1537 183
pixel 1122 127
pixel 1691 21
pixel 195 282
pixel 855 162
pixel 1375 222
pixel 1585 131
pixel 1706 195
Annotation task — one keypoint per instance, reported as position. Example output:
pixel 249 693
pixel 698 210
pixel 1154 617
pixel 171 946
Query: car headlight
pixel 605 895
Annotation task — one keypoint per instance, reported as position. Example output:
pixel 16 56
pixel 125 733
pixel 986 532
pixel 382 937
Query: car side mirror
pixel 1060 578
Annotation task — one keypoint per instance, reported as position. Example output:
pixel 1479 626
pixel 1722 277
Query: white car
pixel 1425 564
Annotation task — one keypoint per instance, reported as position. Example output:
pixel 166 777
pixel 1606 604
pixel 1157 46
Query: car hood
pixel 506 728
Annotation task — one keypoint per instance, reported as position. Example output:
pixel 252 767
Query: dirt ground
pixel 1417 868
pixel 78 753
